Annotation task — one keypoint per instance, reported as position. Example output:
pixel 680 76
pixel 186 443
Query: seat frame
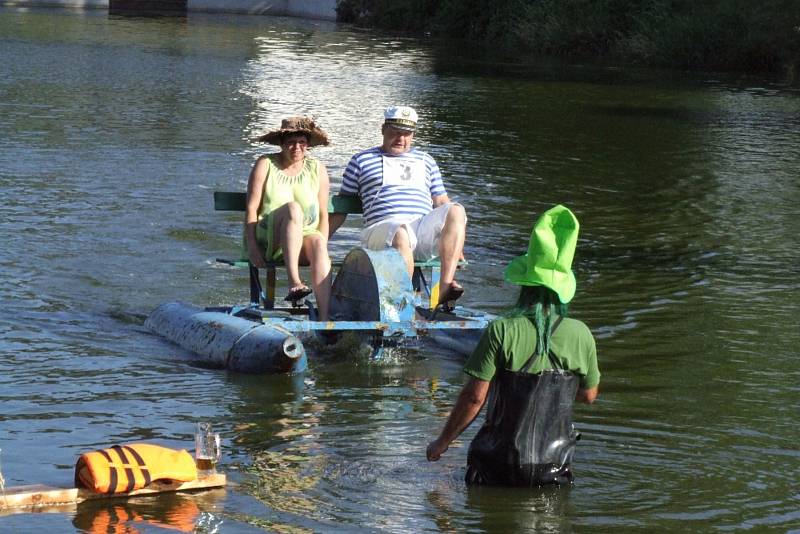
pixel 337 204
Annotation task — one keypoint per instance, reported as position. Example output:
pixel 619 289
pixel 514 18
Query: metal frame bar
pixel 409 328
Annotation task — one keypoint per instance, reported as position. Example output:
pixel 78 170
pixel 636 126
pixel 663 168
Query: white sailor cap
pixel 401 117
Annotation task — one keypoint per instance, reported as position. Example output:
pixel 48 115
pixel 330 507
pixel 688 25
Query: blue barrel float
pixel 223 341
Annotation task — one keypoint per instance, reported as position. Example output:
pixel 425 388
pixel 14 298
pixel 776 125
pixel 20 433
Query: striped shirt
pixel 383 197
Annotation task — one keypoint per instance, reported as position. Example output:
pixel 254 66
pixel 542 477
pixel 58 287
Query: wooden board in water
pixel 41 495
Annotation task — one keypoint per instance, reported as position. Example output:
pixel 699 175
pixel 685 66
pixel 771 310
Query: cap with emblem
pixel 402 117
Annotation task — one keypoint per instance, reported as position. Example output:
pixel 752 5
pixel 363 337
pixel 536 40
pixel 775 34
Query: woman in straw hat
pixel 287 209
pixel 537 362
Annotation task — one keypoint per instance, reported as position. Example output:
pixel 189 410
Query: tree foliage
pixel 716 34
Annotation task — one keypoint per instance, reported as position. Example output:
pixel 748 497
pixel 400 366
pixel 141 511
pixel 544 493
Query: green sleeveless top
pixel 280 189
pixel 302 188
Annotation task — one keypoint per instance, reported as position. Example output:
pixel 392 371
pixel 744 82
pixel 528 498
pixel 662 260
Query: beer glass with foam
pixel 207 450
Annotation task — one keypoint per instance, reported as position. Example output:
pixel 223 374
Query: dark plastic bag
pixel 528 438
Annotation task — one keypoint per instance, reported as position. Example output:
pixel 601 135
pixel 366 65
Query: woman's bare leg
pixel 315 252
pixel 288 234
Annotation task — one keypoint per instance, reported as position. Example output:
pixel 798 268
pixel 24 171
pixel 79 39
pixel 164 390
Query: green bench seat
pixel 235 201
pixel 337 204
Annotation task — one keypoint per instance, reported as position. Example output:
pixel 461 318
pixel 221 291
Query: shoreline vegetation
pixel 721 35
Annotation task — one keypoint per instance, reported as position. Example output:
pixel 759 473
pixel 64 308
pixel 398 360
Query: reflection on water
pixel 181 513
pixel 197 512
pixel 114 132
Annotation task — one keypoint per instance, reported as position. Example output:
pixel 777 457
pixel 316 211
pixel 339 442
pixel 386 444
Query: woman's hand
pixel 256 258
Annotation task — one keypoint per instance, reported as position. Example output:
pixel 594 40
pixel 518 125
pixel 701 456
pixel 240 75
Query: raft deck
pixel 39 495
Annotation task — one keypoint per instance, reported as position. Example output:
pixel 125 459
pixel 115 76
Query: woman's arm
pixel 324 191
pixel 255 190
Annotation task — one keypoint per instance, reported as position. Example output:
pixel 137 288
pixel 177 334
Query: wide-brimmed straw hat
pixel 551 248
pixel 296 125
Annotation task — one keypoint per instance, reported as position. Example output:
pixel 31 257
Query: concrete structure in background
pixel 86 4
pixel 314 9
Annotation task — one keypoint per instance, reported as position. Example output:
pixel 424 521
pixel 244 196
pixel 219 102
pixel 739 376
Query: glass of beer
pixel 207 450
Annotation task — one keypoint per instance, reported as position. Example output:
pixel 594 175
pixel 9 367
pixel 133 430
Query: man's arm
pixel 587 395
pixel 438 200
pixel 468 406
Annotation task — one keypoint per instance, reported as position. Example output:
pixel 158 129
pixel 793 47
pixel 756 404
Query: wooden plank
pixel 229 201
pixel 42 495
pixel 36 495
pixel 236 201
pixel 347 204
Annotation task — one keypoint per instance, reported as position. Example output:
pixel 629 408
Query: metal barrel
pixel 224 341
pixel 373 285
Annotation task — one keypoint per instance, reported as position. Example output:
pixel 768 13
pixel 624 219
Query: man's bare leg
pixel 451 245
pixel 402 243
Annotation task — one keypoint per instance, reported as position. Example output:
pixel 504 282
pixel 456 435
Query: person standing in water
pixel 533 364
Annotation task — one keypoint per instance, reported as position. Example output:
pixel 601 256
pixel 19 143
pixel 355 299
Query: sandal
pixel 452 293
pixel 297 293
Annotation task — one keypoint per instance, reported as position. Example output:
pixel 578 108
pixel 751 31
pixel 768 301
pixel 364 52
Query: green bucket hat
pixel 548 261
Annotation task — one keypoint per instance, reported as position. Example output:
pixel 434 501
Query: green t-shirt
pixel 509 342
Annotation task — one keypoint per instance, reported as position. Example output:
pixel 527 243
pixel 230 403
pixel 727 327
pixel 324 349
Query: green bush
pixel 713 34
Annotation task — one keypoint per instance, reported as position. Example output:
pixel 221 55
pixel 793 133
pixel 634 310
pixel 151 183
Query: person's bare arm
pixel 587 396
pixel 255 189
pixel 335 220
pixel 438 200
pixel 468 406
pixel 324 191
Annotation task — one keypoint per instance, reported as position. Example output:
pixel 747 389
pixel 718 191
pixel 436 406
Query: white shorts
pixel 423 233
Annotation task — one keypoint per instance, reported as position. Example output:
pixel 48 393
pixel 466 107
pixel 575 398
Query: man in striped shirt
pixel 405 203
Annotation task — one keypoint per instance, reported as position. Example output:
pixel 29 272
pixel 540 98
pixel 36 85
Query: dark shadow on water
pixel 147 8
pixel 127 317
pixel 478 59
pixel 653 112
pixel 125 14
pixel 697 117
pixel 504 509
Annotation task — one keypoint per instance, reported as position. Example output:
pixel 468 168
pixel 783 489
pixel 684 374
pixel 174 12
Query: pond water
pixel 114 132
